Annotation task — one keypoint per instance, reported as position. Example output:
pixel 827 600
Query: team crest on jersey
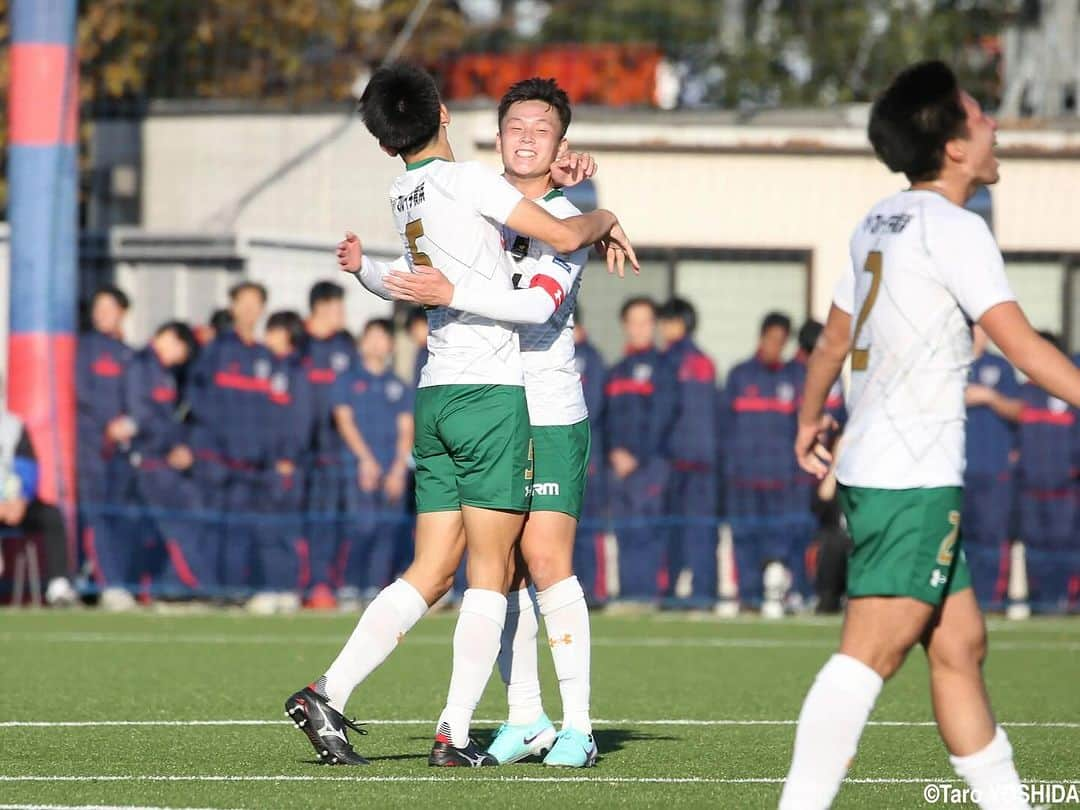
pixel 394 391
pixel 339 361
pixel 1057 405
pixel 785 392
pixel 262 369
pixel 990 375
pixel 642 372
pixel 279 383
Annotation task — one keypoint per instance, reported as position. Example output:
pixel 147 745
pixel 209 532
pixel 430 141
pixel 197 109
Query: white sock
pixel 476 646
pixel 991 773
pixel 517 660
pixel 831 721
pixel 387 619
pixel 566 617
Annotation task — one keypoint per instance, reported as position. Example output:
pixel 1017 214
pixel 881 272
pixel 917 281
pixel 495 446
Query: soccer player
pixel 534 115
pixel 994 407
pixel 104 472
pixel 694 487
pixel 373 410
pixel 589 554
pixel 922 270
pixel 472 426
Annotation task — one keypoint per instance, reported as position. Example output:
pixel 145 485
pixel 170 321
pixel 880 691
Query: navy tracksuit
pixel 694 486
pixel 105 478
pixel 765 501
pixel 288 431
pixel 639 406
pixel 324 360
pixel 1047 484
pixel 589 555
pixel 989 491
pixel 373 522
pixel 174 542
pixel 803 570
pixel 229 400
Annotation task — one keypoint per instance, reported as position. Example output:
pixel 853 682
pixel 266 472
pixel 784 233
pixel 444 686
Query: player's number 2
pixel 413 231
pixel 860 358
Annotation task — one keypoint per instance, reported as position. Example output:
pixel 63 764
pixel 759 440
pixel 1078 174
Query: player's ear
pixel 498 142
pixel 564 147
pixel 444 115
pixel 956 150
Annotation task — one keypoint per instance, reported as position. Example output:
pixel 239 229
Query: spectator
pixel 23 512
pixel 105 477
pixel 221 320
pixel 589 556
pixel 417 326
pixel 994 408
pixel 766 508
pixel 230 385
pixel 639 406
pixel 694 485
pixel 280 550
pixel 373 411
pixel 162 457
pixel 1048 459
pixel 329 353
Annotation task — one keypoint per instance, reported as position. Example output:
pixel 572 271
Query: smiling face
pixel 530 138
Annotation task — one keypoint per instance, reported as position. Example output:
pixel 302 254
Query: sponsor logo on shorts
pixel 543 489
pixel 937 579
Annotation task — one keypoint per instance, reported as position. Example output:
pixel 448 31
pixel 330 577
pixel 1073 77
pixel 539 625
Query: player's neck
pixel 438 150
pixel 532 188
pixel 954 189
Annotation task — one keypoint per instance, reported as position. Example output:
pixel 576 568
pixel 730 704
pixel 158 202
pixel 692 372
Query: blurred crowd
pixel 268 462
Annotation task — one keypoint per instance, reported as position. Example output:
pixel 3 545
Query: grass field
pixel 186 711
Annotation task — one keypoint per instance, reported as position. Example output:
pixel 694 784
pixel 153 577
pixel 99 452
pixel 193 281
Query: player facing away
pixel 534 115
pixel 923 270
pixel 472 444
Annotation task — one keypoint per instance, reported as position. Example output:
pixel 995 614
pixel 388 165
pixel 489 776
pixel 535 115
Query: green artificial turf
pixel 89 667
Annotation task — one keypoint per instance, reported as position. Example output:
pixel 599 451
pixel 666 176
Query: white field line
pixel 487 721
pixel 94 807
pixel 653 642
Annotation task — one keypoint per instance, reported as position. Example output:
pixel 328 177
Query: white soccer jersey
pixel 448 215
pixel 923 270
pixel 552 382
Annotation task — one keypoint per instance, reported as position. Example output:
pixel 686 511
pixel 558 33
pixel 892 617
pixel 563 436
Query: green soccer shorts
pixel 472 448
pixel 560 467
pixel 907 542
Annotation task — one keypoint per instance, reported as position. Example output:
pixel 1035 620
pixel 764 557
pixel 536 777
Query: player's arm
pixel 369 272
pixel 600 227
pixel 550 285
pixel 1047 367
pixel 823 369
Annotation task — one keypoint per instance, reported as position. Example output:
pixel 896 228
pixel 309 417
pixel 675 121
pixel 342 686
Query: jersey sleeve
pixel 551 283
pixel 373 272
pixel 485 191
pixel 844 293
pixel 971 266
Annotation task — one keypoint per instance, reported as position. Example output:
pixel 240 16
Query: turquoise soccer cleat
pixel 572 749
pixel 515 743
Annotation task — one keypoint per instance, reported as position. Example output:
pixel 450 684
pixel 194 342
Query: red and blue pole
pixel 43 214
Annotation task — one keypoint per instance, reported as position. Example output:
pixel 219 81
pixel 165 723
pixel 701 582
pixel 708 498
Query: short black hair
pixel 635 301
pixel 809 334
pixel 244 286
pixel 915 117
pixel 679 309
pixel 537 89
pixel 221 320
pixel 291 322
pixel 115 293
pixel 774 319
pixel 322 291
pixel 385 324
pixel 415 315
pixel 183 333
pixel 401 108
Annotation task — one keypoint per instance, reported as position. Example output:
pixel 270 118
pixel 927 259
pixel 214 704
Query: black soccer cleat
pixel 324 726
pixel 444 755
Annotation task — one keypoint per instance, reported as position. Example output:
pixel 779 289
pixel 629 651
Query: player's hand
pixel 350 253
pixel 368 474
pixel 976 395
pixel 812 446
pixel 571 168
pixel 180 457
pixel 425 285
pixel 617 250
pixel 394 485
pixel 623 463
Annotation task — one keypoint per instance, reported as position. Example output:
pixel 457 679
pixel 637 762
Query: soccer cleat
pixel 324 726
pixel 444 755
pixel 572 749
pixel 515 743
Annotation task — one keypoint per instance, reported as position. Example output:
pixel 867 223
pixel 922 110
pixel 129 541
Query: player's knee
pixel 547 567
pixel 958 650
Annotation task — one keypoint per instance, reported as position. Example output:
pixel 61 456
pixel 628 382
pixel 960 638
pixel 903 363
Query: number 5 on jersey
pixel 860 357
pixel 413 231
